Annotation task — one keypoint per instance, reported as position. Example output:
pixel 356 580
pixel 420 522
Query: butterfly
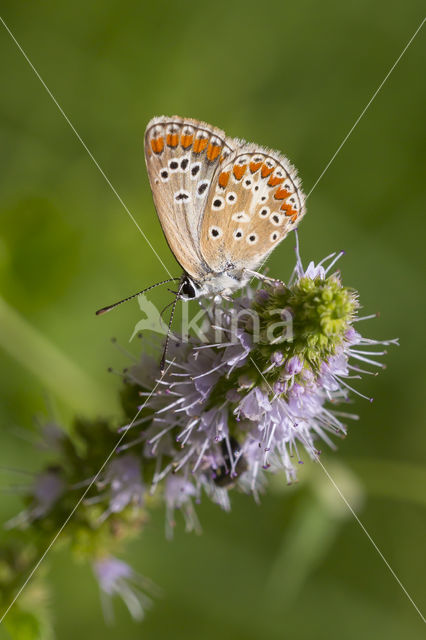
pixel 224 204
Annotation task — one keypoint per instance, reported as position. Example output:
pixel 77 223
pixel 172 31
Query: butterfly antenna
pixel 166 344
pixel 112 306
pixel 167 307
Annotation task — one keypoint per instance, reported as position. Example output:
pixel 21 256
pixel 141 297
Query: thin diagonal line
pixel 345 139
pixel 83 144
pixel 52 542
pixel 369 537
pixel 366 107
pixel 309 448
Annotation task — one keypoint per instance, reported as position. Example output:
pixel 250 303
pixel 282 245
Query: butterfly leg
pixel 260 276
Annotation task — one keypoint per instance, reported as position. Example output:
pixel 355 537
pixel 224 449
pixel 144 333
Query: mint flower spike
pixel 258 386
pixel 107 509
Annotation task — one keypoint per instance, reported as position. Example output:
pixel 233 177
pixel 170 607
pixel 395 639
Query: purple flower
pixel 277 358
pixel 293 366
pixel 122 484
pixel 178 494
pixel 262 295
pixel 48 488
pixel 254 404
pixel 117 578
pixel 314 271
pixel 279 387
pixel 234 408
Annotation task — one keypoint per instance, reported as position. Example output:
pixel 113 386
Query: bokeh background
pixel 292 76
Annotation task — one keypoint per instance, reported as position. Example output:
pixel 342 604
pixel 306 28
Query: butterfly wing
pixel 254 201
pixel 182 156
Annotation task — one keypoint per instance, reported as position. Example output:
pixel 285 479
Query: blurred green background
pixel 292 76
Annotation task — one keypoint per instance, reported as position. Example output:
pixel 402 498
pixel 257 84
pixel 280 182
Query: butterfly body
pixel 224 204
pixel 215 283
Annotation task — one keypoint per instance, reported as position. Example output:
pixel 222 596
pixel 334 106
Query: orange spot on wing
pixel 223 179
pixel 281 194
pixel 213 152
pixel 274 181
pixel 172 139
pixel 186 140
pixel 266 170
pixel 254 166
pixel 294 217
pixel 200 144
pixel 157 144
pixel 288 209
pixel 239 170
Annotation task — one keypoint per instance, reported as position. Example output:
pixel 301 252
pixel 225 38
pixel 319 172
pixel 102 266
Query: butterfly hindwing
pixel 254 201
pixel 182 156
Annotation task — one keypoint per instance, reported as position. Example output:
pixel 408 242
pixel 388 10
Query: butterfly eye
pixel 215 232
pixel 218 203
pixel 252 238
pixel 238 234
pixel 231 197
pixel 264 212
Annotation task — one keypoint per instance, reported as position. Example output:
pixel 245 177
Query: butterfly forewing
pixel 254 201
pixel 182 156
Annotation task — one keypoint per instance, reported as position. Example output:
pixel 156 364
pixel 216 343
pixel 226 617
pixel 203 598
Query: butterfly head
pixel 189 289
